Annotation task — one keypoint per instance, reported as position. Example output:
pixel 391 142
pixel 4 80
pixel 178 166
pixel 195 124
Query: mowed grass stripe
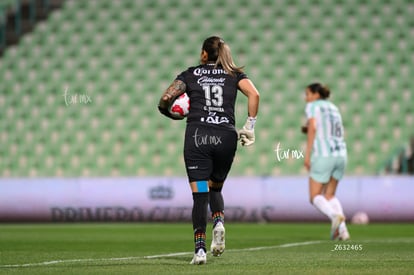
pixel 276 248
pixel 53 262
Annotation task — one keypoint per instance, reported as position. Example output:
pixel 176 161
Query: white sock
pixel 322 204
pixel 337 207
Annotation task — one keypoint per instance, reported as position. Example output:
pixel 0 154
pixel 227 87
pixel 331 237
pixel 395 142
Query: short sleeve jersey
pixel 212 95
pixel 329 138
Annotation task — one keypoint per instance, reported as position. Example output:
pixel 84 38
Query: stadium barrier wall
pixel 255 199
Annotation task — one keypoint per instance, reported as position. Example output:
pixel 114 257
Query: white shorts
pixel 323 168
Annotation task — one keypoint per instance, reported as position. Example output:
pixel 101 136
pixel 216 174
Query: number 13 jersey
pixel 212 94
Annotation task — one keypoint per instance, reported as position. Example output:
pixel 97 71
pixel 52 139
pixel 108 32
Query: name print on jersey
pixel 205 139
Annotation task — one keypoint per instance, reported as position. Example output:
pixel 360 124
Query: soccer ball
pixel 180 107
pixel 360 218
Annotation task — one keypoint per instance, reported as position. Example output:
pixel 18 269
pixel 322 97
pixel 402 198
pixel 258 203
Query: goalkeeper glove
pixel 246 134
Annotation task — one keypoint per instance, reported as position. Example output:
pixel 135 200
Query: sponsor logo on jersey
pixel 205 80
pixel 202 71
pixel 215 119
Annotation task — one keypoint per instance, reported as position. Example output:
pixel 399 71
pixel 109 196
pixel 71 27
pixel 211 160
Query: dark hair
pixel 322 90
pixel 219 52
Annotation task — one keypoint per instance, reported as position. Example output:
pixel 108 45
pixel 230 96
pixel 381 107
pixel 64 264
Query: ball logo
pixel 180 107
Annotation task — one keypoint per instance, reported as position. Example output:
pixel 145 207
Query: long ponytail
pixel 220 52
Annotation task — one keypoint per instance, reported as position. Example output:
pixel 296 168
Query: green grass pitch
pixel 166 248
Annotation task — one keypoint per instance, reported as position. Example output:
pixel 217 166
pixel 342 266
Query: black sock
pixel 216 206
pixel 199 217
pixel 199 240
pixel 216 201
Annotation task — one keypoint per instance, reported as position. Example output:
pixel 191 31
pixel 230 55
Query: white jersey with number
pixel 329 136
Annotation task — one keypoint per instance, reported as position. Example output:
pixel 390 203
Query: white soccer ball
pixel 180 107
pixel 360 218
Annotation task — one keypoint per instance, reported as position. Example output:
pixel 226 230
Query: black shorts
pixel 209 152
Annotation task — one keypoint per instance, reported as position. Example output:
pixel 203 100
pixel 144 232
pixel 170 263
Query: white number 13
pixel 214 95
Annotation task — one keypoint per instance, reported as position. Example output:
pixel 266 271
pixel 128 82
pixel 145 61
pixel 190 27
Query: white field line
pixel 287 245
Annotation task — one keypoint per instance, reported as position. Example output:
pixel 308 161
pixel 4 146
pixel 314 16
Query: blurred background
pixel 80 82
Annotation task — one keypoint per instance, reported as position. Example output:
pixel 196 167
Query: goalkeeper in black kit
pixel 211 137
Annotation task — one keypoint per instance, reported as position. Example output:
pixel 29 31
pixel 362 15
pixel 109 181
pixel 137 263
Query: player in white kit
pixel 326 156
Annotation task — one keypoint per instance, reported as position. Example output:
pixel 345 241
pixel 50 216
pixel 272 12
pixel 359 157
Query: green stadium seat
pixel 101 48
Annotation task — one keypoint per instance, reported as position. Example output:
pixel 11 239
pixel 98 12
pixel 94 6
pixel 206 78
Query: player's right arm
pixel 176 88
pixel 311 132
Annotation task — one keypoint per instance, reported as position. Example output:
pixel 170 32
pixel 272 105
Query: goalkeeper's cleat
pixel 199 258
pixel 218 241
pixel 336 222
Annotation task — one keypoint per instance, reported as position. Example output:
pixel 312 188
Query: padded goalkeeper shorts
pixel 209 152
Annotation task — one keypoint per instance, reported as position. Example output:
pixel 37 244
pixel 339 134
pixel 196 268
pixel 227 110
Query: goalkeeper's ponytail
pixel 220 52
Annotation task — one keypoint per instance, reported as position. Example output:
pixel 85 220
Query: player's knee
pixel 312 198
pixel 216 189
pixel 201 186
pixel 215 186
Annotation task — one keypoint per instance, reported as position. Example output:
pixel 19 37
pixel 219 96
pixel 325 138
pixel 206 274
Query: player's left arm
pixel 176 88
pixel 311 131
pixel 247 87
pixel 246 134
